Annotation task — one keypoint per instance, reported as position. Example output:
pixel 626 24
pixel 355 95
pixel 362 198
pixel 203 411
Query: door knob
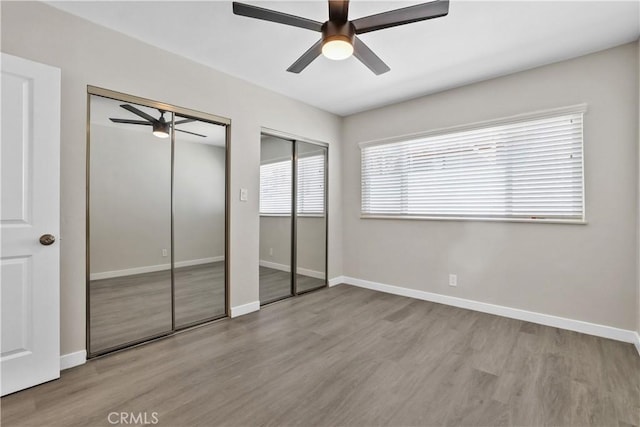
pixel 47 239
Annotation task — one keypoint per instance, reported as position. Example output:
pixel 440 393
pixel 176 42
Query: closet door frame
pixel 173 110
pixel 294 208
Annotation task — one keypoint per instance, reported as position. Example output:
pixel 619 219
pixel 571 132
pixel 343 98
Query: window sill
pixel 481 219
pixel 289 216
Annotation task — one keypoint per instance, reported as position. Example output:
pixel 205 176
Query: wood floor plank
pixel 346 356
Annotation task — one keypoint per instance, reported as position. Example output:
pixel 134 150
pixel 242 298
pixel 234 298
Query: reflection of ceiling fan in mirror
pixel 160 125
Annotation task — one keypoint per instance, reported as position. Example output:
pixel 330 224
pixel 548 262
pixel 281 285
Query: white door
pixel 29 209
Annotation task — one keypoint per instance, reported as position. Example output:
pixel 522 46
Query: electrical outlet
pixel 165 252
pixel 270 251
pixel 453 280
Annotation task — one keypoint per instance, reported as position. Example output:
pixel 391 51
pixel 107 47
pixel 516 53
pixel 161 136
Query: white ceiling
pixel 102 109
pixel 476 41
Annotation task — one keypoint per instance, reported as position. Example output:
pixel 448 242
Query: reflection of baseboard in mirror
pixel 152 268
pixel 300 270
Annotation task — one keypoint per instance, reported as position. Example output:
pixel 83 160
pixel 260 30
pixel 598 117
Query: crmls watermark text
pixel 133 418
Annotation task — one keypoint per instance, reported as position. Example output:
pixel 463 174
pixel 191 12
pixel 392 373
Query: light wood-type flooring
pixel 346 356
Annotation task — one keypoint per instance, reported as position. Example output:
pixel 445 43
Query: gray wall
pixel 584 272
pixel 131 200
pixel 275 234
pixel 198 201
pixel 275 239
pixel 311 244
pixel 89 54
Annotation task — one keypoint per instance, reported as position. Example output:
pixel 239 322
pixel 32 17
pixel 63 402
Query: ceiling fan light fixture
pixel 337 48
pixel 161 130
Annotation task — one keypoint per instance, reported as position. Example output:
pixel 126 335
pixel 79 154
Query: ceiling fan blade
pixel 192 133
pixel 338 10
pixel 140 113
pixel 274 16
pixel 368 58
pixel 179 122
pixel 131 122
pixel 406 15
pixel 306 58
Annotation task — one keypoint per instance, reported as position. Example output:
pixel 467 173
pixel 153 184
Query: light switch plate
pixel 243 194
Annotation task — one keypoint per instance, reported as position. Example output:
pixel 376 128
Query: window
pixel 275 186
pixel 527 168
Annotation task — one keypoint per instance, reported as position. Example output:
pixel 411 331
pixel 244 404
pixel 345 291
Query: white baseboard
pixel 243 309
pixel 73 359
pixel 283 267
pixel 336 281
pixel 636 342
pixel 499 310
pixel 152 268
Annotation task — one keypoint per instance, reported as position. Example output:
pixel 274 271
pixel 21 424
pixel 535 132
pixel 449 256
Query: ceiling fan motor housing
pixel 161 127
pixel 344 31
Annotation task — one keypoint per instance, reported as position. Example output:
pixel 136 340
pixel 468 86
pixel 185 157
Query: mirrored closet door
pixel 293 221
pixel 156 220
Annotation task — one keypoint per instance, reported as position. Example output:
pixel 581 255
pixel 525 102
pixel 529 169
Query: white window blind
pixel 275 186
pixel 311 185
pixel 525 169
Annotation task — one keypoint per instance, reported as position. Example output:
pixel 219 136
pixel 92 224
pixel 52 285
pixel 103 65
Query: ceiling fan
pixel 339 35
pixel 160 126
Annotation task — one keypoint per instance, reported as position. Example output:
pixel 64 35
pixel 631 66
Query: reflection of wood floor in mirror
pixel 276 284
pixel 131 308
pixel 199 293
pixel 125 309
